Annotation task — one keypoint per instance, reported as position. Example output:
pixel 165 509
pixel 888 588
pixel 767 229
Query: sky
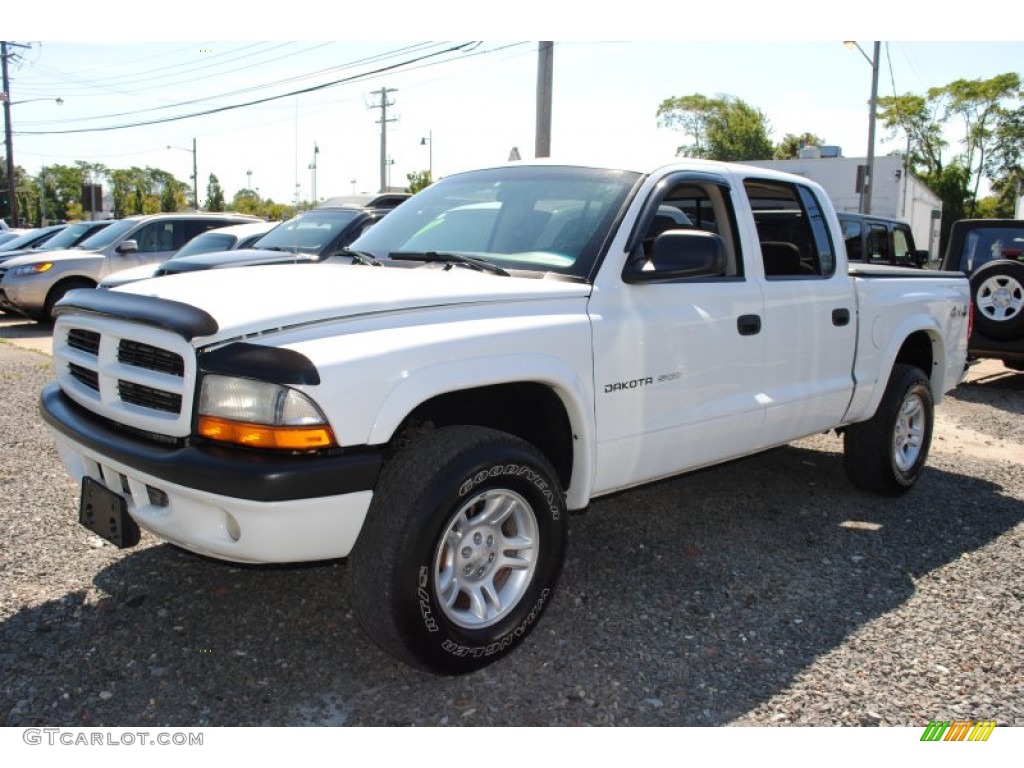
pixel 467 107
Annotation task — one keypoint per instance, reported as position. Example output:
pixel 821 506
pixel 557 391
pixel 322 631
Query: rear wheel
pixel 461 549
pixel 887 453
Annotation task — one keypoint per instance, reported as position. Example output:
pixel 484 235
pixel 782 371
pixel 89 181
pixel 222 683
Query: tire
pixel 454 609
pixel 58 292
pixel 886 454
pixel 997 291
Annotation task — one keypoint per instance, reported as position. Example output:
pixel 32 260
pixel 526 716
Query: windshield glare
pixel 542 219
pixel 105 237
pixel 206 243
pixel 21 241
pixel 308 232
pixel 67 237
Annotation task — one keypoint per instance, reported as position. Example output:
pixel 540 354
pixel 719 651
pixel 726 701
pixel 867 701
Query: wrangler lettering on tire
pixel 461 549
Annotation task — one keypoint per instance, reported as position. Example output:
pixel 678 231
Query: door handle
pixel 748 325
pixel 840 317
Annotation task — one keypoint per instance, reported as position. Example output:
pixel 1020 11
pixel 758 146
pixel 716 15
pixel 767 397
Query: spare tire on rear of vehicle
pixel 997 291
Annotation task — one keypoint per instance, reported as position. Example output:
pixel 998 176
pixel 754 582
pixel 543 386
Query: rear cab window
pixel 792 230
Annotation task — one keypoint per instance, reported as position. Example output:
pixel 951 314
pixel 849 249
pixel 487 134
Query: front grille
pixel 149 397
pixel 132 375
pixel 152 358
pixel 85 376
pixel 86 341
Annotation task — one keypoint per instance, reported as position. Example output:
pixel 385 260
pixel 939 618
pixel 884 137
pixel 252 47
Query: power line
pixel 215 110
pixel 228 94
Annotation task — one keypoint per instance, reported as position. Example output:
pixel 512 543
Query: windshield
pixel 309 232
pixel 68 237
pixel 541 219
pixel 26 240
pixel 105 237
pixel 206 243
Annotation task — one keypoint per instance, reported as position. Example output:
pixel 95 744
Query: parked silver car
pixel 212 241
pixel 34 283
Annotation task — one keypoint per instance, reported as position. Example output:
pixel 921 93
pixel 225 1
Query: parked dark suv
pixel 991 253
pixel 880 240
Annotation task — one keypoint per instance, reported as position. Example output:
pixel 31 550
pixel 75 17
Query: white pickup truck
pixel 506 346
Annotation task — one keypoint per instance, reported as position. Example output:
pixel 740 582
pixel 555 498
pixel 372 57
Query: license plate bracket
pixel 106 514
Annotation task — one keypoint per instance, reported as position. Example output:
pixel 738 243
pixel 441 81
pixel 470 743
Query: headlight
pixel 31 269
pixel 261 415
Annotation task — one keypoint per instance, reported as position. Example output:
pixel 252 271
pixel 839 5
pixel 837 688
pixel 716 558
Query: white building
pixel 897 194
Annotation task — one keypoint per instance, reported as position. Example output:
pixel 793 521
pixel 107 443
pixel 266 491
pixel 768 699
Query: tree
pixel 738 131
pixel 214 195
pixel 723 128
pixel 791 144
pixel 912 116
pixel 979 103
pixel 689 115
pixel 247 201
pixel 990 147
pixel 418 180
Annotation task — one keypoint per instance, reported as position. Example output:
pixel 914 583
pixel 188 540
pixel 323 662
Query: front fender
pixel 573 390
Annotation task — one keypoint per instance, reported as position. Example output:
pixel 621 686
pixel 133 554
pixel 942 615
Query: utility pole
pixel 871 127
pixel 384 120
pixel 12 184
pixel 545 68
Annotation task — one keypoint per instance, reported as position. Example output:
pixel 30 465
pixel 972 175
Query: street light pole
pixel 312 167
pixel 195 174
pixel 429 141
pixel 195 177
pixel 869 181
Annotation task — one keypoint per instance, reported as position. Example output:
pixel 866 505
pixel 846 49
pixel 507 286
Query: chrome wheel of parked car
pixel 909 432
pixel 461 548
pixel 486 558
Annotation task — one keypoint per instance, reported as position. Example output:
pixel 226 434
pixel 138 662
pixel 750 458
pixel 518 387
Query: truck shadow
pixel 690 602
pixel 1002 390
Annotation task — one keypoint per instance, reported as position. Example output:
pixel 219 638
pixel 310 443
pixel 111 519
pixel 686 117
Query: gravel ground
pixel 763 592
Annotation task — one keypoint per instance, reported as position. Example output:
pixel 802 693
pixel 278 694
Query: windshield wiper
pixel 360 257
pixel 450 258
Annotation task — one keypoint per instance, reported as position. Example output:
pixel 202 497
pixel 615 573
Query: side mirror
pixel 128 246
pixel 921 258
pixel 678 254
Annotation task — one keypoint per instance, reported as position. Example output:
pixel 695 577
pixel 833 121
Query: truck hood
pixel 257 299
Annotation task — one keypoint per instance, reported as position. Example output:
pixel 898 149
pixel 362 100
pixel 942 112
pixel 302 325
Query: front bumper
pixel 25 295
pixel 224 502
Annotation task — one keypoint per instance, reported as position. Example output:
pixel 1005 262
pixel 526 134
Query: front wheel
pixel 461 549
pixel 887 453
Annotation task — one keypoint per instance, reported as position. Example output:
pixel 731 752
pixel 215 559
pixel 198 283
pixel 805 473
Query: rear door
pixel 809 328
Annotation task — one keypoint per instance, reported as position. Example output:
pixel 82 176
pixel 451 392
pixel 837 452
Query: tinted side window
pixel 792 229
pixel 903 245
pixel 878 243
pixel 155 237
pixel 691 205
pixel 852 231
